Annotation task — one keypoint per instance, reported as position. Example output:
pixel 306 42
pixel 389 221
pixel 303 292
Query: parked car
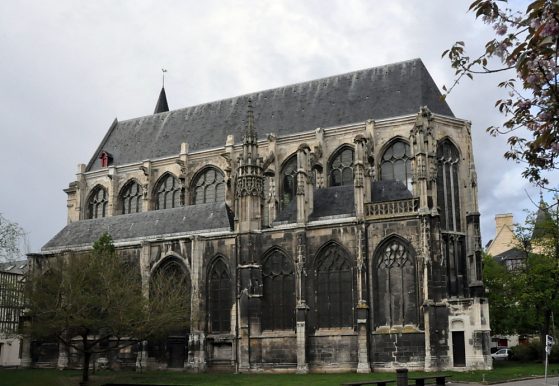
pixel 502 354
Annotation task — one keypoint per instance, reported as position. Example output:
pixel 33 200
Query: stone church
pixel 330 225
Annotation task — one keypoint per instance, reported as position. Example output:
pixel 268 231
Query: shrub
pixel 526 352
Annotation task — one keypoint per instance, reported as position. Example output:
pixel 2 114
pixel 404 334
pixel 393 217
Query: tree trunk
pixel 86 359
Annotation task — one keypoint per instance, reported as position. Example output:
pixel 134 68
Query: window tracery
pixel 220 297
pixel 448 199
pixel 396 163
pixel 448 202
pixel 208 186
pixel 341 167
pixel 278 306
pixel 98 202
pixel 131 198
pixel 334 289
pixel 168 192
pixel 396 285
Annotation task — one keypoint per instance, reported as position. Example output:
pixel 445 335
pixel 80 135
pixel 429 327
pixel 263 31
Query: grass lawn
pixel 47 377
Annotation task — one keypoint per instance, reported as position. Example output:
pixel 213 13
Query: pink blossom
pixel 500 29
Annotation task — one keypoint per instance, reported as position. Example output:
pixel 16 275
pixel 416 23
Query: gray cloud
pixel 68 68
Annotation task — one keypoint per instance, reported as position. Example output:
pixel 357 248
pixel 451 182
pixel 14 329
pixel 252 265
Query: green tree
pixel 499 284
pixel 523 300
pixel 526 43
pixel 10 237
pixel 85 299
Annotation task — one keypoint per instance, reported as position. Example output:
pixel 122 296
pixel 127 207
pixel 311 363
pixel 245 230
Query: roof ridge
pixel 416 60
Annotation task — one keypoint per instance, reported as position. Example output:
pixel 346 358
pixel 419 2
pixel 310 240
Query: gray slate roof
pixel 18 267
pixel 332 201
pixel 186 219
pixel 389 190
pixel 340 200
pixel 375 93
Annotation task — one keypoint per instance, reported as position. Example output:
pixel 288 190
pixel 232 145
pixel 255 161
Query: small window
pixel 131 198
pixel 98 203
pixel 289 181
pixel 396 163
pixel 208 186
pixel 341 167
pixel 168 193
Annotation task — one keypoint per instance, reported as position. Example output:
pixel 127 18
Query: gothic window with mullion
pixel 168 192
pixel 395 291
pixel 278 302
pixel 340 168
pixel 448 201
pixel 97 203
pixel 208 186
pixel 131 198
pixel 220 297
pixel 334 288
pixel 395 163
pixel 448 197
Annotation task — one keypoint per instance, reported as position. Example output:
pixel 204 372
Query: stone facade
pixel 353 246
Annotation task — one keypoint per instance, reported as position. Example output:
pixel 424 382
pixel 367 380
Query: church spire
pixel 162 105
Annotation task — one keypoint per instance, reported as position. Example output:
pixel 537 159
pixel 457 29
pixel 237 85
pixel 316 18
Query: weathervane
pixel 163 71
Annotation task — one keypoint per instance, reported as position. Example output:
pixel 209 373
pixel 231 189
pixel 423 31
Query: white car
pixel 502 354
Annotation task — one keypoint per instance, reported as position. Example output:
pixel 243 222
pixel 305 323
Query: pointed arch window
pixel 289 181
pixel 208 186
pixel 98 203
pixel 395 285
pixel 278 306
pixel 334 291
pixel 219 297
pixel 171 278
pixel 131 198
pixel 168 192
pixel 341 167
pixel 448 199
pixel 396 163
pixel 448 202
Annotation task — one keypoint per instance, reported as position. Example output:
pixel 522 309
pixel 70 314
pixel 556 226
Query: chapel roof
pixel 190 219
pixel 375 93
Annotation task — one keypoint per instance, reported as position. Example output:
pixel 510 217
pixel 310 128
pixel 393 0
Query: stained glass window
pixel 396 163
pixel 168 192
pixel 395 285
pixel 278 305
pixel 334 295
pixel 341 167
pixel 98 202
pixel 208 186
pixel 131 198
pixel 220 297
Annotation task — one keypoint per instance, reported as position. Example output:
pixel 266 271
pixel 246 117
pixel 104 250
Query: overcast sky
pixel 68 68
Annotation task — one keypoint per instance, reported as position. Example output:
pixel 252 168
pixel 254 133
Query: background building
pixel 12 278
pixel 329 225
